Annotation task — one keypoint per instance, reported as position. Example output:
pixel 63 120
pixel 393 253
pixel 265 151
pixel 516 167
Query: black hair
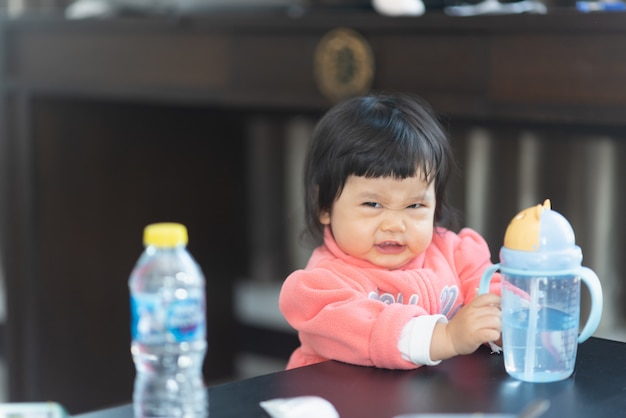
pixel 378 135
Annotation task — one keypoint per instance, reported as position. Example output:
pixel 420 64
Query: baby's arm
pixel 337 320
pixel 473 325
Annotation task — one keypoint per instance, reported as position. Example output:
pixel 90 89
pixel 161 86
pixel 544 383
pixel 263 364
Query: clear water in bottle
pixel 540 326
pixel 168 327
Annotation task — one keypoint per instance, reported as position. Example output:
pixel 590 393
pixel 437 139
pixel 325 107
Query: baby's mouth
pixel 390 247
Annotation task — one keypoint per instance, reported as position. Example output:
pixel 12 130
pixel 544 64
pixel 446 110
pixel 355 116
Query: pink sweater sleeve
pixel 472 257
pixel 337 320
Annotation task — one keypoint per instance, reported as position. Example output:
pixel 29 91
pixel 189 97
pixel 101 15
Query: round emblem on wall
pixel 343 65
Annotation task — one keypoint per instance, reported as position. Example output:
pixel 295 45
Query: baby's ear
pixel 325 217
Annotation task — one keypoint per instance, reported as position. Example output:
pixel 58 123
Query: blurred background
pixel 118 113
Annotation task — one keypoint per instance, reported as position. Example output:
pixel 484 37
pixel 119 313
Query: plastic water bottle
pixel 168 327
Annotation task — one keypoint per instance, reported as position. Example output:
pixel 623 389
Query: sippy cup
pixel 540 265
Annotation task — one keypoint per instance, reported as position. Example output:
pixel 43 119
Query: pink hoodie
pixel 350 310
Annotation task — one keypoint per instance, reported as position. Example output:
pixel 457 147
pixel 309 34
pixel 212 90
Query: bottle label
pixel 156 321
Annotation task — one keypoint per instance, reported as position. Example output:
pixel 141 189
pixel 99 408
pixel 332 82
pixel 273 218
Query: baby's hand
pixel 473 325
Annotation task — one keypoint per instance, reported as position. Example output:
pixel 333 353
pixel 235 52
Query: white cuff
pixel 415 338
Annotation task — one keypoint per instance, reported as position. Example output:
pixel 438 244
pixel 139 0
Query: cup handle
pixel 595 290
pixel 486 279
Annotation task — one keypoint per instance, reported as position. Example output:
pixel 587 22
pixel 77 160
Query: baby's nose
pixel 393 222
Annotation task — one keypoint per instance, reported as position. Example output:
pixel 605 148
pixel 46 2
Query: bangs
pixel 400 155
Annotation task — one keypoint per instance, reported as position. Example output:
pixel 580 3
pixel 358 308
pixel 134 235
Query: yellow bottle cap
pixel 165 234
pixel 523 232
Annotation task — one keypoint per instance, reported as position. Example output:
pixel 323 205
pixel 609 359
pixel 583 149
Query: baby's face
pixel 383 220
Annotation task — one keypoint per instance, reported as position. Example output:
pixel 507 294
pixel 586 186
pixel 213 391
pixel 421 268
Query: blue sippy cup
pixel 541 271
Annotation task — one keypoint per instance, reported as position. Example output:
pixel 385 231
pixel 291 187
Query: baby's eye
pixel 372 204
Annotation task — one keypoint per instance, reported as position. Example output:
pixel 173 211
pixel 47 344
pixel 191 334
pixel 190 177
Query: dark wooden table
pixel 466 384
